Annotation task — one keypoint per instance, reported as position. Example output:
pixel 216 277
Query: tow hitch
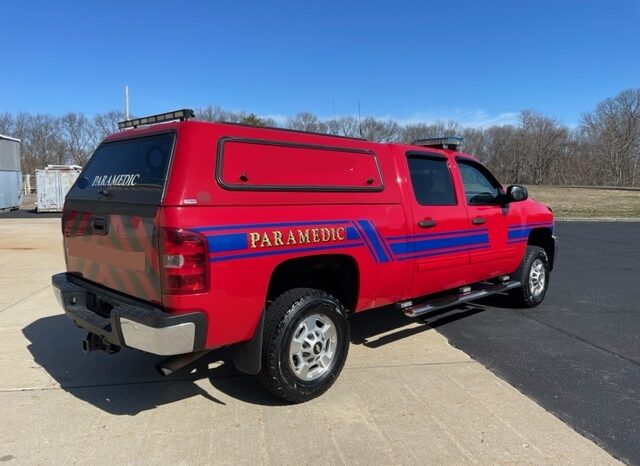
pixel 93 342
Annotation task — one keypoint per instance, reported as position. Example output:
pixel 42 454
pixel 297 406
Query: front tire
pixel 306 342
pixel 533 273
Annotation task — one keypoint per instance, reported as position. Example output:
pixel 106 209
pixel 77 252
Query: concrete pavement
pixel 405 396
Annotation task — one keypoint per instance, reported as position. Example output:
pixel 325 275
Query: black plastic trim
pixel 419 153
pixel 74 292
pixel 303 188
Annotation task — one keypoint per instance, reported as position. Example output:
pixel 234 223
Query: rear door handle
pixel 478 220
pixel 427 223
pixel 100 225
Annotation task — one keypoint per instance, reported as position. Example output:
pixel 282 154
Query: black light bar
pixel 447 142
pixel 181 115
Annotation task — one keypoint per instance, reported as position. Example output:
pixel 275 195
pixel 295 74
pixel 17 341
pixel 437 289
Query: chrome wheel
pixel 537 277
pixel 313 347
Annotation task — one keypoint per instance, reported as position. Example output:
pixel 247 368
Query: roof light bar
pixel 447 142
pixel 181 115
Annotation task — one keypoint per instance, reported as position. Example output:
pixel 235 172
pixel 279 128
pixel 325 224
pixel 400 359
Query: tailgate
pixel 110 221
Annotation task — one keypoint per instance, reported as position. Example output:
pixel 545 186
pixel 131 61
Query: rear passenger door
pixel 438 244
pixel 487 215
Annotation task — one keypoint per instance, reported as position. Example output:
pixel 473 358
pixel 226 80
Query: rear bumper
pixel 126 322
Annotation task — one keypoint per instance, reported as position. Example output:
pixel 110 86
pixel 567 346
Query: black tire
pixel 284 316
pixel 524 296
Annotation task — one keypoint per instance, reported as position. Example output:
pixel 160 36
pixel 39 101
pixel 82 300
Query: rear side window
pixel 129 170
pixel 431 180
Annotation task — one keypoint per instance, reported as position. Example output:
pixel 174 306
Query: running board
pixel 476 292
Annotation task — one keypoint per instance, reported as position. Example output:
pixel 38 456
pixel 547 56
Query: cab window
pixel 480 187
pixel 431 180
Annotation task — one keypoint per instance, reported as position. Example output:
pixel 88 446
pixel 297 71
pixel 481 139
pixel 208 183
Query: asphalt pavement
pixel 578 354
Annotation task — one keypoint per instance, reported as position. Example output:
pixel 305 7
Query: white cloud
pixel 464 117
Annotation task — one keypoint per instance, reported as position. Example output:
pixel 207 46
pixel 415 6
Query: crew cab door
pixel 439 240
pixel 488 215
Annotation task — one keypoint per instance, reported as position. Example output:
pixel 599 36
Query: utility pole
pixel 126 102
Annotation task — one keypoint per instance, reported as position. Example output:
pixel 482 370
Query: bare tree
pixel 613 133
pixel 6 124
pixel 105 124
pixel 604 149
pixel 78 137
pixel 437 129
pixel 306 121
pixel 542 141
pixel 343 126
pixel 376 130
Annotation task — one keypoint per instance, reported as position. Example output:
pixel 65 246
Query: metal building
pixel 52 185
pixel 10 173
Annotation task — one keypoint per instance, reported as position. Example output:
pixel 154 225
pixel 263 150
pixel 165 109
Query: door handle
pixel 427 223
pixel 99 225
pixel 478 220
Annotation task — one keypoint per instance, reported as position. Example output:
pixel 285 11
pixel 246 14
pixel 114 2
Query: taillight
pixel 183 256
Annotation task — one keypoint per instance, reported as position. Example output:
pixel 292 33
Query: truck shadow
pixel 126 383
pixel 379 327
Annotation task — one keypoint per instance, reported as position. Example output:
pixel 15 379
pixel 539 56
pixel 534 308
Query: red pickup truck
pixel 185 236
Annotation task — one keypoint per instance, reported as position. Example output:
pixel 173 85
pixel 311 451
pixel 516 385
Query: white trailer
pixel 10 173
pixel 52 185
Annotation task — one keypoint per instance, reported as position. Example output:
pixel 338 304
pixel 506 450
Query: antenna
pixel 126 102
pixel 359 121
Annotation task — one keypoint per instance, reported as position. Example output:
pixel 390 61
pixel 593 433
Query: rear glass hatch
pixel 109 222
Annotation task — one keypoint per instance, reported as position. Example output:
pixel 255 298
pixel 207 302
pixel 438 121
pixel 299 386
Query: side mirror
pixel 516 193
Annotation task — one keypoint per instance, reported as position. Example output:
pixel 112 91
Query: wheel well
pixel 334 273
pixel 543 238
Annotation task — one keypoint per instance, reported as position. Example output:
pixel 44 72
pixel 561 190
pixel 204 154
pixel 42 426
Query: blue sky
pixel 478 62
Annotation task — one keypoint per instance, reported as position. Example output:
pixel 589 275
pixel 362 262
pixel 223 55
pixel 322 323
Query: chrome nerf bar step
pixel 464 295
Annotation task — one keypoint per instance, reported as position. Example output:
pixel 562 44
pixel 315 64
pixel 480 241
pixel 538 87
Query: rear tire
pixel 306 342
pixel 533 273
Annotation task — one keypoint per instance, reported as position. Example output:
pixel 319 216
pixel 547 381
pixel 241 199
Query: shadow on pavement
pixel 393 323
pixel 126 383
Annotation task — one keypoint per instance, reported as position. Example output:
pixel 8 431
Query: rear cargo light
pixel 183 260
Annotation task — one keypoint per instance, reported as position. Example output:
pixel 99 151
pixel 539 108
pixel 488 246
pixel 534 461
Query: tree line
pixel 603 149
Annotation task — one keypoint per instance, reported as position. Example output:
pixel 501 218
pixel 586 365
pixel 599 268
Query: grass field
pixel 588 202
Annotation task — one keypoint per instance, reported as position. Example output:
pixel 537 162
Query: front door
pixel 487 214
pixel 440 239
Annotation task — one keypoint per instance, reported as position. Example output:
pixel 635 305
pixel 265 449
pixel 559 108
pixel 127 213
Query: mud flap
pixel 248 356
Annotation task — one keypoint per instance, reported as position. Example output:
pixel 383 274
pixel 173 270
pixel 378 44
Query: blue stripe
pixel 443 252
pixel 352 233
pixel 444 233
pixel 531 226
pixel 439 243
pixel 386 247
pixel 224 243
pixel 371 235
pixel 282 251
pixel 366 241
pixel 447 234
pixel 269 225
